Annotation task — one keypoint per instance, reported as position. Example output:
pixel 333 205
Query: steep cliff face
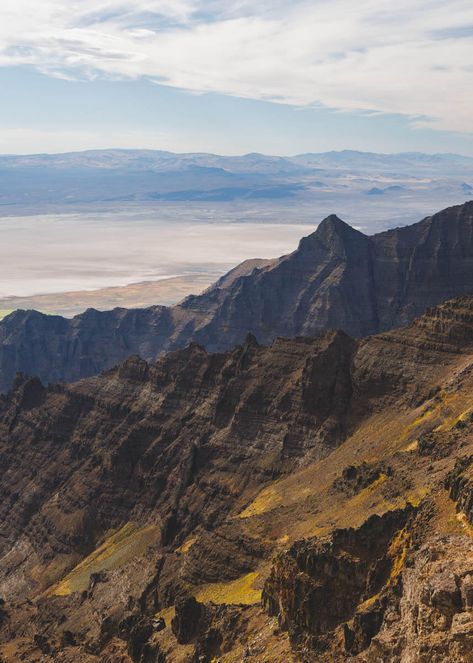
pixel 179 442
pixel 338 278
pixel 396 586
pixel 387 591
pixel 319 584
pixel 326 283
pixel 421 265
pixel 141 509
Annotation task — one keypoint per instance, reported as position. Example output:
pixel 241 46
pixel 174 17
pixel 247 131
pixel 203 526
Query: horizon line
pixel 237 155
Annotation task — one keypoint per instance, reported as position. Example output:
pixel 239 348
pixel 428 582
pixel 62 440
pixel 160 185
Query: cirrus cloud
pixel 414 58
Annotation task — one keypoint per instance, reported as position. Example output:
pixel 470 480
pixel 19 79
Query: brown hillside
pixel 311 499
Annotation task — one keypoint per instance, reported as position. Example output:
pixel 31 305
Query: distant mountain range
pixel 39 182
pixel 162 161
pixel 338 278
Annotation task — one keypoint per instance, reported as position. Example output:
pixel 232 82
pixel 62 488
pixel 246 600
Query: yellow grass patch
pixel 167 614
pixel 398 551
pixel 118 549
pixel 264 501
pixel 440 415
pixel 412 446
pixel 237 592
pixel 187 545
pixel 453 420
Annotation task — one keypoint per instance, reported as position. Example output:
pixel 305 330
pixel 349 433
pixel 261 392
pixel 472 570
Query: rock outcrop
pixel 338 278
pixel 319 585
pixel 145 511
pixel 433 619
pixel 375 594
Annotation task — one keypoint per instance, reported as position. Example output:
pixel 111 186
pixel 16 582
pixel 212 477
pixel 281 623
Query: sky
pixel 236 76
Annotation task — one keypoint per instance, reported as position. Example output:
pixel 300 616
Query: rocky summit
pixel 338 278
pixel 308 500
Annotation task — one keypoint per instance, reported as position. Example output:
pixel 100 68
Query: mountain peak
pixel 331 231
pixel 332 223
pixel 337 278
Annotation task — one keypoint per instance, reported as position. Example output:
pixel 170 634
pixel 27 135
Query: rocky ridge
pixel 338 278
pixel 148 511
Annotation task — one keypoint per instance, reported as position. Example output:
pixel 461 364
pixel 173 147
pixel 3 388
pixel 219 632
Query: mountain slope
pixel 127 494
pixel 337 278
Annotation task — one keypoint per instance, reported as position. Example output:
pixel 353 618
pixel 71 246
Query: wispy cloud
pixel 412 57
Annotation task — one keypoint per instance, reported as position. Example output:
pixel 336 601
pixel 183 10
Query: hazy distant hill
pixel 122 176
pixel 161 161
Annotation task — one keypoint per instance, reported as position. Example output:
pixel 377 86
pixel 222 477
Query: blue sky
pixel 237 76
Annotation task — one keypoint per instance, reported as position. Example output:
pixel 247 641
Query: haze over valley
pixel 106 219
pixel 90 251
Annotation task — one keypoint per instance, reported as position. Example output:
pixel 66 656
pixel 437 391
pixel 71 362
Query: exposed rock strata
pixel 126 494
pixel 338 278
pixel 318 585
